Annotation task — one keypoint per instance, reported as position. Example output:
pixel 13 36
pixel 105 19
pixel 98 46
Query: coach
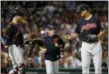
pixel 52 43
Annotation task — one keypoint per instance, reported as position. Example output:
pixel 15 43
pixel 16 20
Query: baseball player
pixel 89 30
pixel 15 39
pixel 52 44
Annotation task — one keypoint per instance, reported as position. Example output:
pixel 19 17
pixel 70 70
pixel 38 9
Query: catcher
pixel 14 35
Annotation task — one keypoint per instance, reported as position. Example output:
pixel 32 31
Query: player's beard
pixel 21 20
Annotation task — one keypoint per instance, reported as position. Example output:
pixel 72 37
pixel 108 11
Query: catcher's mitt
pixel 35 42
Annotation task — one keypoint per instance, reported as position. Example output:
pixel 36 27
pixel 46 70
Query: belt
pixel 91 41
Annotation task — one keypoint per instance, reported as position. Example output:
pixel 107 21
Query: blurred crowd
pixel 63 16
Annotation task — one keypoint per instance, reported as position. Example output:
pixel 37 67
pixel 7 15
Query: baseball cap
pixel 51 27
pixel 82 7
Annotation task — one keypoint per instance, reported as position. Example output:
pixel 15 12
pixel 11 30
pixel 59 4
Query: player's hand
pixel 73 35
pixel 101 34
pixel 43 50
pixel 56 45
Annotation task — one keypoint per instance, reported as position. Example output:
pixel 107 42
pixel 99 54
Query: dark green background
pixel 62 71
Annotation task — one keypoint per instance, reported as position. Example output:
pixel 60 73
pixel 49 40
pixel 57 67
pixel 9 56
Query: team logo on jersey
pixel 88 26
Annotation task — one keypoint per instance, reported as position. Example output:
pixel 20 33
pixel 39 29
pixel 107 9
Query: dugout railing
pixel 61 70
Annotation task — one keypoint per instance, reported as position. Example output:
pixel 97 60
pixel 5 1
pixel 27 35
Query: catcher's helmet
pixel 82 7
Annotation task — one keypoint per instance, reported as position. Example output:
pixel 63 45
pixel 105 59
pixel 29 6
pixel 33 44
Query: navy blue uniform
pixel 91 48
pixel 88 27
pixel 52 53
pixel 88 31
pixel 15 41
pixel 14 35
